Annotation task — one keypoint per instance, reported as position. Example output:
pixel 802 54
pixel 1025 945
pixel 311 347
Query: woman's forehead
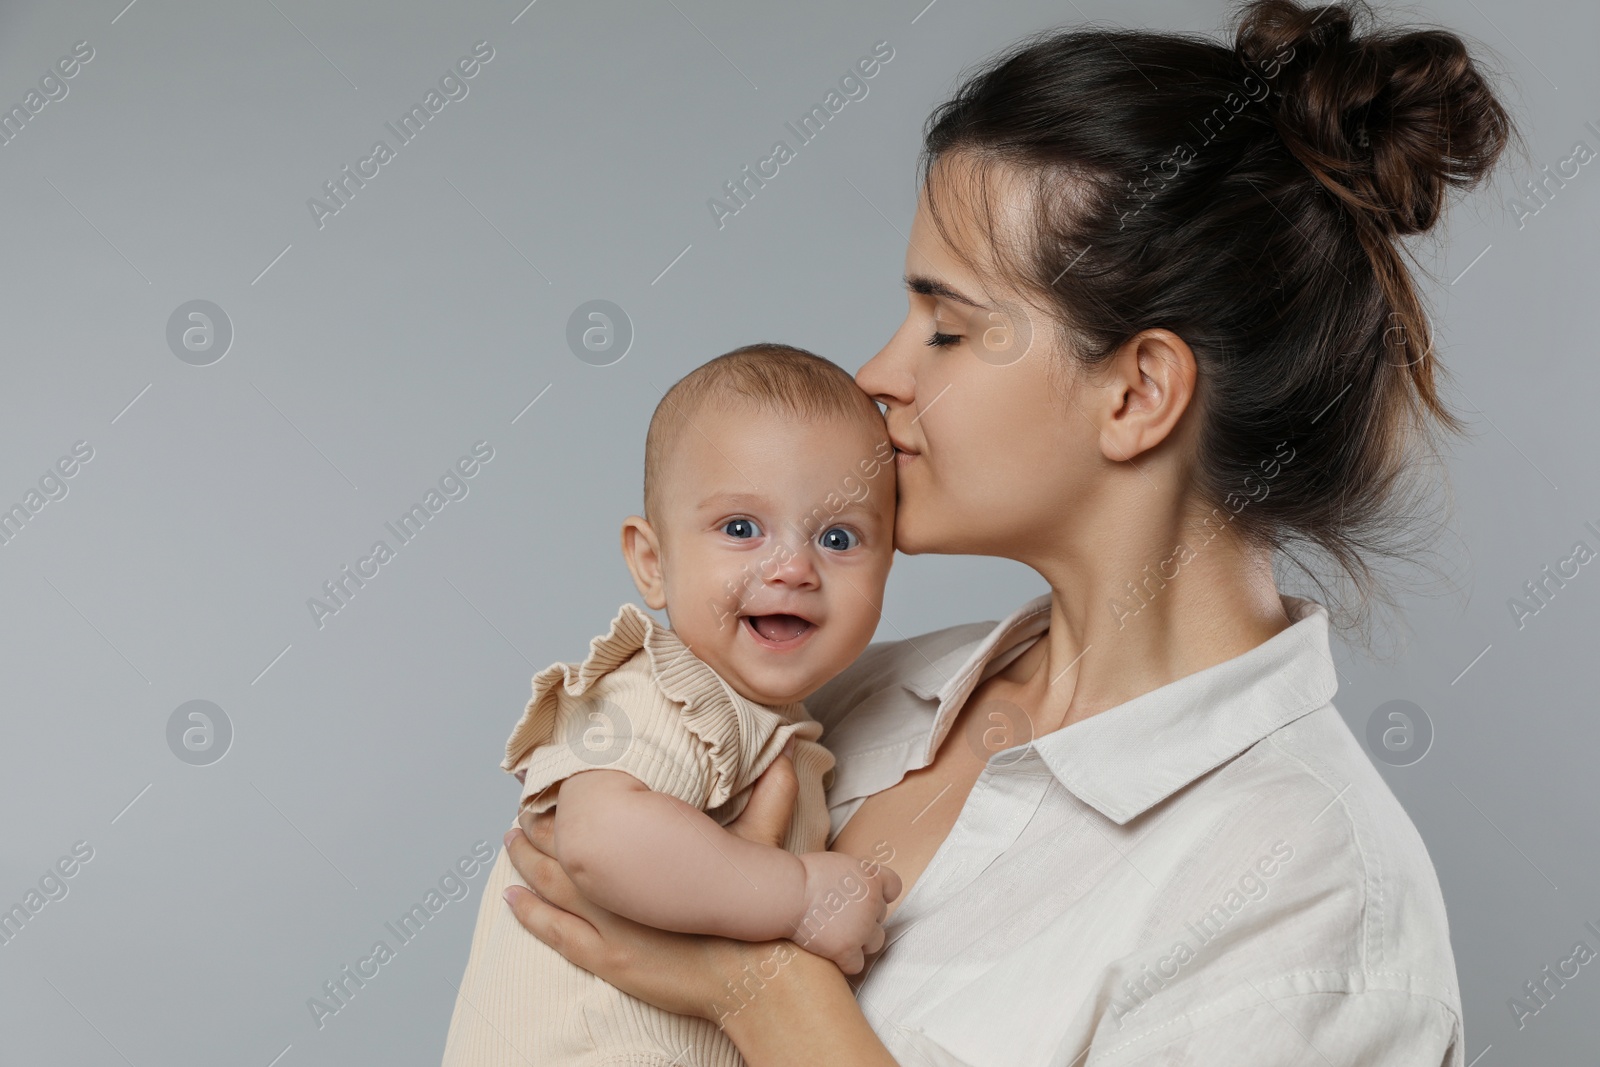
pixel 971 214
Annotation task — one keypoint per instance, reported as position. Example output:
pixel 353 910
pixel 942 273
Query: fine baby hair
pixel 766 375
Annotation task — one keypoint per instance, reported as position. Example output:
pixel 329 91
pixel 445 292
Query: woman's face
pixel 991 457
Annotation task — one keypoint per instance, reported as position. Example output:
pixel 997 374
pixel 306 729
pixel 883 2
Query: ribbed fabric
pixel 640 702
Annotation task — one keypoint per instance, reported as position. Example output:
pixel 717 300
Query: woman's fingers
pixel 766 815
pixel 891 882
pixel 543 874
pixel 540 829
pixel 561 930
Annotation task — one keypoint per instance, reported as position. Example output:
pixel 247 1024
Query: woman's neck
pixel 1150 610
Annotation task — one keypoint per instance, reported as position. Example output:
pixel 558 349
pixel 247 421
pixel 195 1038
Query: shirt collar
pixel 950 678
pixel 1125 760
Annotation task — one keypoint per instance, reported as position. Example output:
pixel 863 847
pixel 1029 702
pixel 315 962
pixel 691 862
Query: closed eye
pixel 940 340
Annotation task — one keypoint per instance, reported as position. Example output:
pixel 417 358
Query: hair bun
pixel 1386 120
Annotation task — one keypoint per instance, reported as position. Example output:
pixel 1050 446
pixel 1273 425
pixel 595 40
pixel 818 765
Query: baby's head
pixel 768 524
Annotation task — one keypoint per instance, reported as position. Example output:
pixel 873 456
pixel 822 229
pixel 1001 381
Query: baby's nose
pixel 792 566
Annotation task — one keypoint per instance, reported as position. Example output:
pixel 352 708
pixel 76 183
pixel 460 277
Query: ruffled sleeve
pixel 642 703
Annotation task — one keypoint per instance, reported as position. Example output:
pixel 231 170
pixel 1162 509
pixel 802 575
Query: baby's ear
pixel 641 549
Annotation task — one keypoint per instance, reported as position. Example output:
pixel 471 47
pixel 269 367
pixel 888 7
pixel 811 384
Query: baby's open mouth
pixel 778 630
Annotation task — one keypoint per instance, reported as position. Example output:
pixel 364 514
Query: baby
pixel 767 535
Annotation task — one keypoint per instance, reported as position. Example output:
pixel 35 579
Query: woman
pixel 1160 328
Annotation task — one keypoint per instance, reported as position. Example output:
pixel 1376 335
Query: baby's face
pixel 776 539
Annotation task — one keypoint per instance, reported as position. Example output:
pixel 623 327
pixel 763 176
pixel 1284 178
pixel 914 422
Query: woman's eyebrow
pixel 925 286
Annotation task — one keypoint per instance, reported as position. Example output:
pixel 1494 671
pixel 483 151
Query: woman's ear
pixel 1151 382
pixel 641 549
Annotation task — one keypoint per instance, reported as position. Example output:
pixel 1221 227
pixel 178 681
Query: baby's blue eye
pixel 839 539
pixel 741 528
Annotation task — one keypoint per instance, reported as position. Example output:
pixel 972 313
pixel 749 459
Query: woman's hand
pixel 682 973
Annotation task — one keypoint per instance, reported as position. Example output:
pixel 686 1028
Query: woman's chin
pixel 923 532
pixel 935 523
pixel 910 537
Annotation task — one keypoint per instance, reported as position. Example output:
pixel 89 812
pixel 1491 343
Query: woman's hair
pixel 766 376
pixel 1251 199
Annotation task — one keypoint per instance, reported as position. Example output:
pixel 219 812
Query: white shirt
pixel 1212 873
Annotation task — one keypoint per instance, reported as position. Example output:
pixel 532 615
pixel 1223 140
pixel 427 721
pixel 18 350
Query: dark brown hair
pixel 767 376
pixel 1251 199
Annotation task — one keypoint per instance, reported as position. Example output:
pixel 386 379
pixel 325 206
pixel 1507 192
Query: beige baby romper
pixel 640 702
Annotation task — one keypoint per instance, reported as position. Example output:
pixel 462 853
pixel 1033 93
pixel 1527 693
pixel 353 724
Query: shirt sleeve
pixel 626 727
pixel 1374 1028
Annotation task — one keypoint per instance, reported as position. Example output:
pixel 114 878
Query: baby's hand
pixel 844 908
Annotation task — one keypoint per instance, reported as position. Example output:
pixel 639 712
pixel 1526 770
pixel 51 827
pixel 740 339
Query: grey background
pixel 429 312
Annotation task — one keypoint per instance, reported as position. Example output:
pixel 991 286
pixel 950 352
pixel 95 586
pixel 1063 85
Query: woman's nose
pixel 885 377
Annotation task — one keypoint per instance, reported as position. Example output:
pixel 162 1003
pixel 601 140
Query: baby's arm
pixel 657 860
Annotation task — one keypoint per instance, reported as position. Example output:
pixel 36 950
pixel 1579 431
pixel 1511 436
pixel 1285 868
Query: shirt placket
pixel 1002 803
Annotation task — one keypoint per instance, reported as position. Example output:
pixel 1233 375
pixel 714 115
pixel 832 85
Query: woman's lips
pixel 786 631
pixel 902 457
